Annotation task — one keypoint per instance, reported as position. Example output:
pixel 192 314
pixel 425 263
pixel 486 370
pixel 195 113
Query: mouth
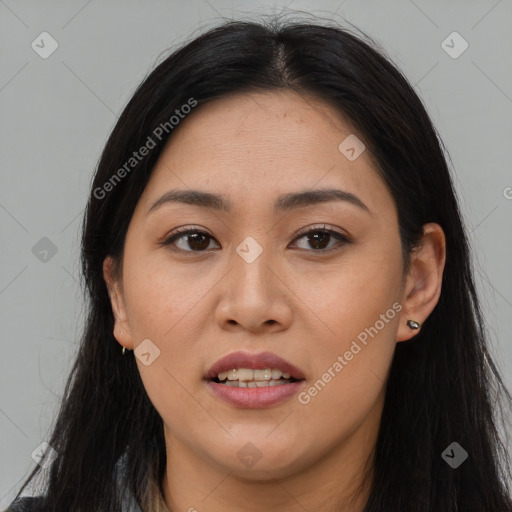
pixel 250 380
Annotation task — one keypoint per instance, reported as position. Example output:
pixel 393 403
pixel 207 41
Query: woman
pixel 274 240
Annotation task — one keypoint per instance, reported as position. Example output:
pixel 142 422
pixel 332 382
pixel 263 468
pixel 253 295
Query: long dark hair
pixel 443 386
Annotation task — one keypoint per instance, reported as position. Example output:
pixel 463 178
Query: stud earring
pixel 124 350
pixel 413 324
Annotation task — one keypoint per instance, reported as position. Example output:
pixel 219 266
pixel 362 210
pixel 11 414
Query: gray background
pixel 57 113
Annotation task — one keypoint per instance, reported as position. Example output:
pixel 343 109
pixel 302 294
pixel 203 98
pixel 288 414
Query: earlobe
pixel 121 327
pixel 424 282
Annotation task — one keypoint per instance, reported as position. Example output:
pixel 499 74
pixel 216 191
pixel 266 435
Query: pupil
pixel 319 237
pixel 197 243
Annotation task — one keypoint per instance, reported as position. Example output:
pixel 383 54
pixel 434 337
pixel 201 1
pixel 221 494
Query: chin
pixel 258 459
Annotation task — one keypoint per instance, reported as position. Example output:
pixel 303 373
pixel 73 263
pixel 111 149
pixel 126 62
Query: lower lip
pixel 255 398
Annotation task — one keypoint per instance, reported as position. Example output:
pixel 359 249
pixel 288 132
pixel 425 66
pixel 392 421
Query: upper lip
pixel 260 361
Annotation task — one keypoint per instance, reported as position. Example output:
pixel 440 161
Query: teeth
pixel 230 375
pixel 255 383
pixel 278 382
pixel 276 374
pixel 262 374
pixel 247 375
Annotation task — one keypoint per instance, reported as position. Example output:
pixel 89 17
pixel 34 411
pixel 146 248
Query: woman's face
pixel 247 280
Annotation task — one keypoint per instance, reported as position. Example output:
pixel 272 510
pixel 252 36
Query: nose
pixel 254 295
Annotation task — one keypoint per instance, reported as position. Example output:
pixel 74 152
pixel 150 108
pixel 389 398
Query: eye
pixel 319 238
pixel 196 239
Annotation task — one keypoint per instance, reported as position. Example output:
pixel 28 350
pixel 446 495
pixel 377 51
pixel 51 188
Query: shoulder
pixel 28 504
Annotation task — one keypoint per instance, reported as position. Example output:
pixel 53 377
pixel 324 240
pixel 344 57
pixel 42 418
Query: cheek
pixel 344 299
pixel 354 344
pixel 349 385
pixel 164 306
pixel 162 297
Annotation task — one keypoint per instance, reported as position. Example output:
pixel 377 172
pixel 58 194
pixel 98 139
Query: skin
pixel 306 306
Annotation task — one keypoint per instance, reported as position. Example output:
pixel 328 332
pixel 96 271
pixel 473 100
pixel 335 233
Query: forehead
pixel 255 145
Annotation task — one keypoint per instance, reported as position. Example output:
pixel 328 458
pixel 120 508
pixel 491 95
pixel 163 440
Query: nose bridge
pixel 253 296
pixel 249 262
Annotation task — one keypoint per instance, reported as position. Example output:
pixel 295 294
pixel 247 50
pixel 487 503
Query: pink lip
pixel 254 398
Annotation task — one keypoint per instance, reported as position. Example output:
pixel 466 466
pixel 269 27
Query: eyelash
pixel 181 232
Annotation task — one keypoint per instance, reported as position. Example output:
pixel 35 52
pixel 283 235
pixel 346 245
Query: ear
pixel 423 284
pixel 122 331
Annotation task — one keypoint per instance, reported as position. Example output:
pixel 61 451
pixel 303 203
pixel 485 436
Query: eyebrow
pixel 283 203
